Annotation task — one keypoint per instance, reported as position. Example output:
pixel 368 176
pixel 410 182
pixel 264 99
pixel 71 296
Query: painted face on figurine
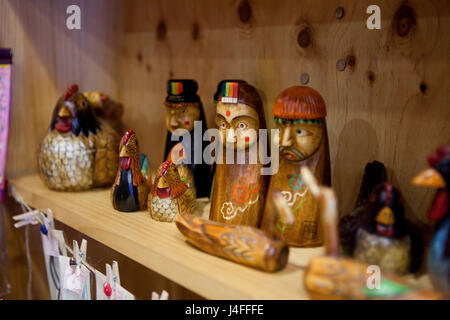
pixel 182 116
pixel 238 125
pixel 299 139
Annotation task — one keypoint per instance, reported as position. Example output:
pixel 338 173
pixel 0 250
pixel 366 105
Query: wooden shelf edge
pixel 160 247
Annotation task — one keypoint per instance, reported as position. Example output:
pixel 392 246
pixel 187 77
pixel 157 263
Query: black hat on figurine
pixel 182 91
pixel 219 88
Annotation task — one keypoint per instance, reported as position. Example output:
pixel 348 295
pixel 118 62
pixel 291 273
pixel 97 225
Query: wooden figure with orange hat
pixel 299 113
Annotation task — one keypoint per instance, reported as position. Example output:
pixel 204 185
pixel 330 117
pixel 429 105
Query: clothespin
pixel 112 277
pixel 79 253
pixel 164 295
pixel 30 217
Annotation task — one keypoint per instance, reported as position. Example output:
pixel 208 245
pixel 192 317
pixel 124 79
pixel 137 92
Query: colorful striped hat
pixel 299 102
pixel 182 90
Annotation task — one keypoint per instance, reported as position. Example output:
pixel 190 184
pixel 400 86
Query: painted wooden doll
pixel 130 190
pixel 183 109
pixel 438 176
pixel 169 195
pixel 303 140
pixel 334 277
pixel 239 188
pixel 78 152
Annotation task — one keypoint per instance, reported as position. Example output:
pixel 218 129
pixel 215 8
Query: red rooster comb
pixel 165 166
pixel 127 136
pixel 70 91
pixel 441 153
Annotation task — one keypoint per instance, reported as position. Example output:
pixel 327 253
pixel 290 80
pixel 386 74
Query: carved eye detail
pixel 242 126
pixel 223 125
pixel 184 111
pixel 302 132
pixel 83 104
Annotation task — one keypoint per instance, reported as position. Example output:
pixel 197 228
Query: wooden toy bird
pixel 78 152
pixel 376 232
pixel 335 277
pixel 130 190
pixel 106 109
pixel 438 176
pixel 169 195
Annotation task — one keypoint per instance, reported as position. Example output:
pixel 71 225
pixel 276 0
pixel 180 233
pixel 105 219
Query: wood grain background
pixel 391 103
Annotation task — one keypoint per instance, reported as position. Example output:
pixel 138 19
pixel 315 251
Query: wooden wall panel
pixel 48 58
pixel 389 104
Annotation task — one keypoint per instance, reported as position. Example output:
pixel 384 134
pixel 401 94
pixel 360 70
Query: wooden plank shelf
pixel 162 248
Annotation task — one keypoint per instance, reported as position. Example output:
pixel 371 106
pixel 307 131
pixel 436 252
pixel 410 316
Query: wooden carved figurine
pixel 107 109
pixel 335 277
pixel 241 244
pixel 303 140
pixel 78 152
pixel 239 188
pixel 376 232
pixel 169 195
pixel 184 108
pixel 130 190
pixel 438 176
pixel 178 157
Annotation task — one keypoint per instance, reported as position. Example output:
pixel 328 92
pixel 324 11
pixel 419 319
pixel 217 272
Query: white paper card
pixel 50 245
pixel 118 292
pixel 52 265
pixel 76 283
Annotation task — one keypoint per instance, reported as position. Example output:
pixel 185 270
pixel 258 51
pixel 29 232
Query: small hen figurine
pixel 377 232
pixel 336 277
pixel 438 176
pixel 169 195
pixel 130 191
pixel 106 109
pixel 78 152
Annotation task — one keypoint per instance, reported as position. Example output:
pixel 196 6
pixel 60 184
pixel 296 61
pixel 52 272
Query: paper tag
pixel 74 280
pixel 50 244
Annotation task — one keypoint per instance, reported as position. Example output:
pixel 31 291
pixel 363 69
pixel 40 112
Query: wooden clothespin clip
pixel 79 253
pixel 112 283
pixel 47 224
pixel 164 295
pixel 30 217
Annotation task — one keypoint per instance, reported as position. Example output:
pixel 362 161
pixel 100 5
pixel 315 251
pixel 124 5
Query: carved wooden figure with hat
pixel 184 108
pixel 239 188
pixel 299 113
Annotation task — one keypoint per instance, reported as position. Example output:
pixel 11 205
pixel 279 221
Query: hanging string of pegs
pixel 34 217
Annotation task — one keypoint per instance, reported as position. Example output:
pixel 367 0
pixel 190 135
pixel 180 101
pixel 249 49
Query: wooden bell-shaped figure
pixel 185 113
pixel 299 113
pixel 239 188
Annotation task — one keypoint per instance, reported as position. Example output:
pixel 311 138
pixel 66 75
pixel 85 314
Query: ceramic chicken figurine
pixel 241 244
pixel 106 109
pixel 169 195
pixel 78 152
pixel 438 176
pixel 376 232
pixel 303 140
pixel 130 190
pixel 239 188
pixel 185 112
pixel 335 277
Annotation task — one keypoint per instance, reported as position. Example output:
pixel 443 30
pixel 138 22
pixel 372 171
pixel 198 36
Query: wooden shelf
pixel 162 248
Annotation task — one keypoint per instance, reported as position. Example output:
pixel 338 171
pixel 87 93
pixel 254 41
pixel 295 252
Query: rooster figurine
pixel 78 152
pixel 130 191
pixel 376 232
pixel 438 176
pixel 169 195
pixel 106 109
pixel 336 277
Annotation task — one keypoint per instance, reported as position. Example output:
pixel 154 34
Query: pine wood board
pixel 160 247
